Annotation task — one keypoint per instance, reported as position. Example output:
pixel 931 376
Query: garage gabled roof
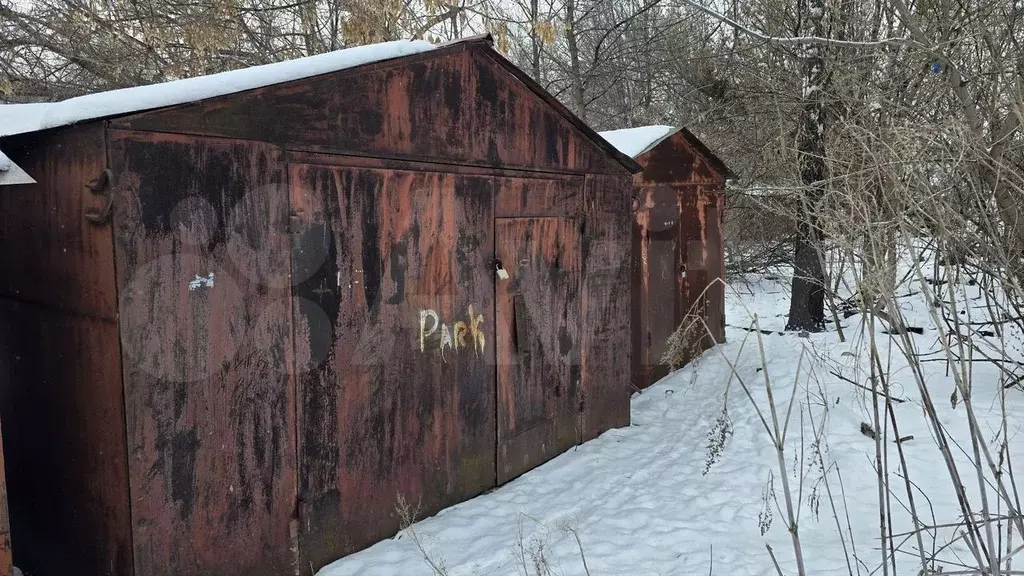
pixel 26 118
pixel 635 142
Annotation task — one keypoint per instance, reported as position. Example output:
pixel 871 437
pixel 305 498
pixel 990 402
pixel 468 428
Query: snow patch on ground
pixel 642 505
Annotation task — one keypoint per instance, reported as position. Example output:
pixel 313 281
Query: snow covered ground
pixel 644 501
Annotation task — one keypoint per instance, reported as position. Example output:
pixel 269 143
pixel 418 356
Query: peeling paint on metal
pixel 201 282
pixel 677 252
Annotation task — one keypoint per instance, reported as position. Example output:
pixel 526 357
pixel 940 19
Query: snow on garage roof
pixel 635 141
pixel 11 173
pixel 23 118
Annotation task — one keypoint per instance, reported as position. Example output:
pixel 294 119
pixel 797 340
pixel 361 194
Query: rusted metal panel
pixel 455 106
pixel 50 254
pixel 203 270
pixel 676 178
pixel 522 197
pixel 6 559
pixel 656 281
pixel 395 345
pixel 677 161
pixel 523 124
pixel 639 346
pixel 538 315
pixel 608 195
pixel 693 264
pixel 703 262
pixel 341 160
pixel 64 441
pixel 713 207
pixel 606 320
pixel 60 380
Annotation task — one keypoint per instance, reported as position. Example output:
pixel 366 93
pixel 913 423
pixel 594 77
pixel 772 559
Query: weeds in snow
pixel 532 553
pixel 972 326
pixel 764 515
pixel 407 515
pixel 719 434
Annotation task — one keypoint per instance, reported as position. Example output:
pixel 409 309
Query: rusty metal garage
pixel 241 314
pixel 677 245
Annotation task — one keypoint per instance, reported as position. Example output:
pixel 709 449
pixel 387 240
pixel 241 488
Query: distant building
pixel 677 245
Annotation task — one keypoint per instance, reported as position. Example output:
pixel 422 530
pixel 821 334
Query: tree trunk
pixel 574 60
pixel 807 306
pixel 534 40
pixel 807 303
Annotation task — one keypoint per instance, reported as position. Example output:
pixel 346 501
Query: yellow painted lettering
pixel 461 332
pixel 424 333
pixel 446 339
pixel 474 328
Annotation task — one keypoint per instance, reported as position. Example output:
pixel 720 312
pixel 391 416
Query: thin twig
pixel 863 387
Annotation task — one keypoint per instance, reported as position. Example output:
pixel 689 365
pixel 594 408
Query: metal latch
pixel 634 203
pixel 101 186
